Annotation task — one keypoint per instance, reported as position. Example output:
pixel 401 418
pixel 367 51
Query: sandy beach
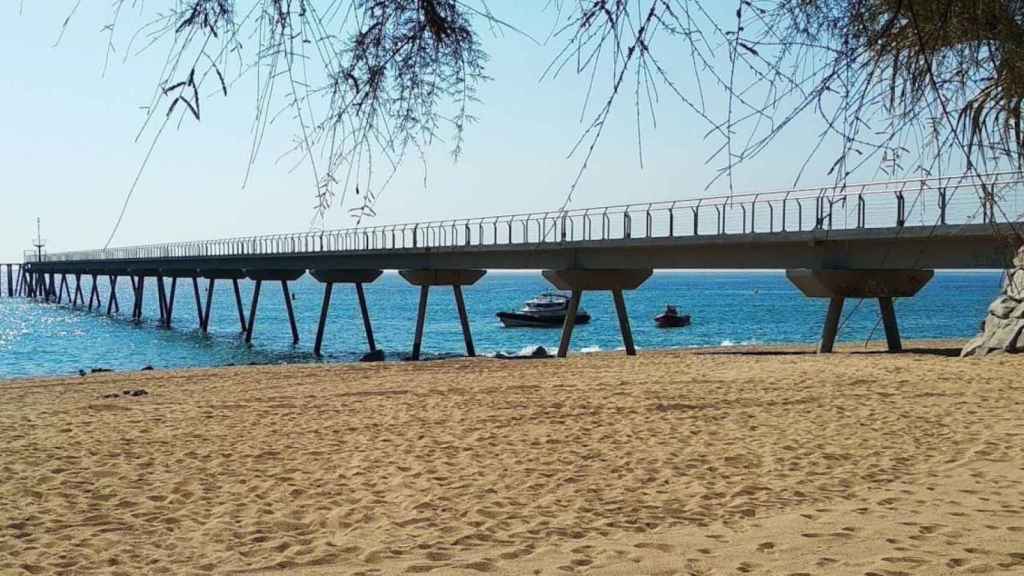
pixel 668 463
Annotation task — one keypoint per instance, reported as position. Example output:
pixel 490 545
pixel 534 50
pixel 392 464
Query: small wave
pixel 589 349
pixel 727 343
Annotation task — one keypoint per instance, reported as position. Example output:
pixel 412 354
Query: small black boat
pixel 545 311
pixel 671 318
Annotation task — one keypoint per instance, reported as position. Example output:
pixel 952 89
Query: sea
pixel 728 308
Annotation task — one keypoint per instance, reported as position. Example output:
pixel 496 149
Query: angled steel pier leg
pixel 238 303
pixel 627 333
pixel 570 323
pixel 291 312
pixel 79 297
pixel 161 293
pixel 421 317
pixel 209 305
pixel 199 301
pixel 95 293
pixel 67 289
pixel 10 280
pixel 828 333
pixel 252 310
pixel 113 294
pixel 366 317
pixel 61 286
pixel 170 300
pixel 135 293
pixel 460 303
pixel 139 295
pixel 328 288
pixel 892 330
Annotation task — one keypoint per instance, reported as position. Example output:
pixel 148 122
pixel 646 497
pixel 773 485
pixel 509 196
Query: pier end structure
pixel 615 281
pixel 838 285
pixel 456 278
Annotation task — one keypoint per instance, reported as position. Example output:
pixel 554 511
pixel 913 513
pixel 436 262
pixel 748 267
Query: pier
pixel 879 240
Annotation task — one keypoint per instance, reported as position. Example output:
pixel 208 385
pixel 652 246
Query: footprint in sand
pixel 655 546
pixel 766 546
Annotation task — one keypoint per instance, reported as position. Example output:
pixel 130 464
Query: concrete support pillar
pixel 627 333
pixel 838 285
pixel 238 304
pixel 367 327
pixel 94 293
pixel 892 330
pixel 569 323
pixel 209 305
pixel 199 301
pixel 220 274
pixel 579 281
pixel 161 292
pixel 79 297
pixel 92 296
pixel 170 301
pixel 291 312
pixel 252 310
pixel 454 278
pixel 112 303
pixel 421 319
pixel 328 288
pixel 356 277
pixel 60 288
pixel 467 337
pixel 831 328
pixel 140 293
pixel 276 275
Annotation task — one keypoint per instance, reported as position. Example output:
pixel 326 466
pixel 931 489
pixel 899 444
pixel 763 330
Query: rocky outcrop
pixel 1001 331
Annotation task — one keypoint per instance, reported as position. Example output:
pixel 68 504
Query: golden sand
pixel 668 463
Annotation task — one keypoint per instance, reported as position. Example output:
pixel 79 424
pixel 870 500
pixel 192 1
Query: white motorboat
pixel 547 310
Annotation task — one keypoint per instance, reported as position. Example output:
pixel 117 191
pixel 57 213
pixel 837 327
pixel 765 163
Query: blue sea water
pixel 728 308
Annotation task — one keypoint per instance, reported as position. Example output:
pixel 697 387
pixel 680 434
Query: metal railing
pixel 952 200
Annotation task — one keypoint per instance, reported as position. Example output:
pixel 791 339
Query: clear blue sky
pixel 69 155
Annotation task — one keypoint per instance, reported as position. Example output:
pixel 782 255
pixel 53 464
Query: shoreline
pixel 875 346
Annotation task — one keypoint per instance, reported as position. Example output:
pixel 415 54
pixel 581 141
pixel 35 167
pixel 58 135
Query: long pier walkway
pixel 873 240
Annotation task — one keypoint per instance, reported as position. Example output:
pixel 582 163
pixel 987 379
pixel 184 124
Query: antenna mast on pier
pixel 39 242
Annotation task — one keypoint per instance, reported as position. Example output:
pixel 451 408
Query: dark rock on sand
pixel 375 356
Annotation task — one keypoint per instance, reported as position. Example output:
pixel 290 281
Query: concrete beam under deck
pixel 271 275
pixel 345 276
pixel 225 274
pixel 859 283
pixel 970 246
pixel 178 273
pixel 442 277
